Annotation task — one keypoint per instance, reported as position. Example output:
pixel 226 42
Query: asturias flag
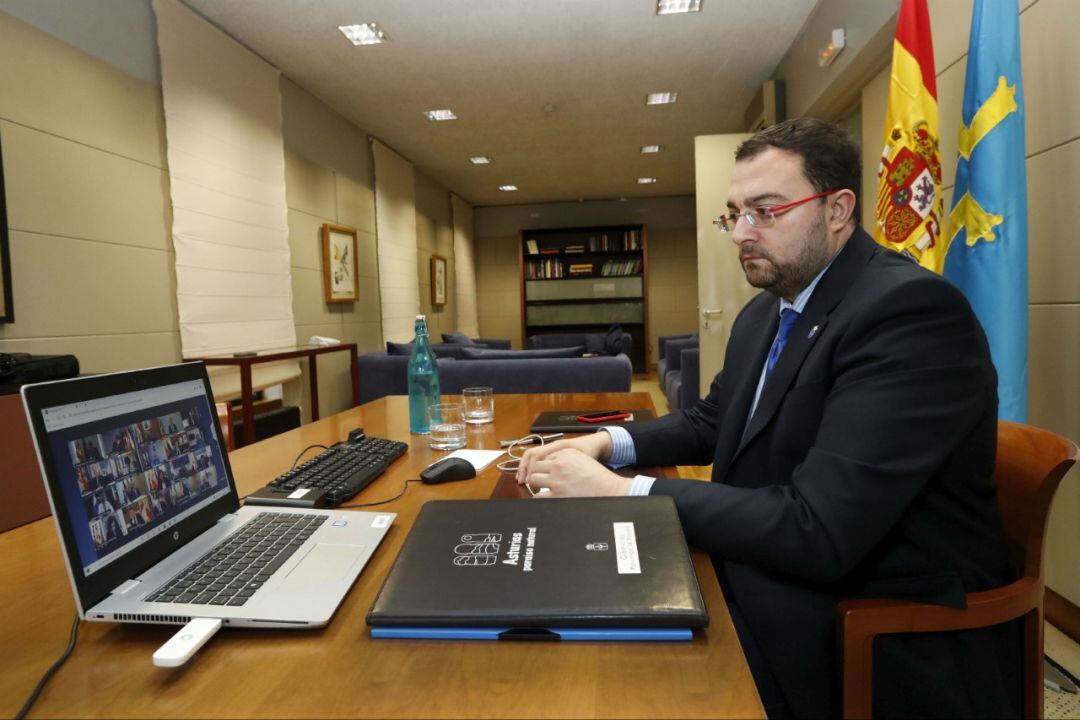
pixel 986 248
pixel 909 206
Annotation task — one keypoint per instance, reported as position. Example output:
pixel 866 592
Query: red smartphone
pixel 603 416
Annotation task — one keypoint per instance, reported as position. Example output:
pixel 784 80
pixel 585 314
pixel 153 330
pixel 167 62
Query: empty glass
pixel 446 425
pixel 479 405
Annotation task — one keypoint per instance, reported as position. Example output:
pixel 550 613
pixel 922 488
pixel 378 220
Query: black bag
pixel 18 369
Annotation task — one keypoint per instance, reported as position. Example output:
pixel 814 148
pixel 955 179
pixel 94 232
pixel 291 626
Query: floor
pixel 1058 646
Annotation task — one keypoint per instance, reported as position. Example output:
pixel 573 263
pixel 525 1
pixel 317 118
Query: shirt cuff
pixel 622 447
pixel 641 485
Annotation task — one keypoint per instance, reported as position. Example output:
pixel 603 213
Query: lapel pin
pixel 813 332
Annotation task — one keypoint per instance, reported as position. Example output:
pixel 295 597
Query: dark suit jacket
pixel 865 472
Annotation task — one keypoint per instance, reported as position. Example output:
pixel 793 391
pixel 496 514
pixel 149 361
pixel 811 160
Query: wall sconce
pixel 830 51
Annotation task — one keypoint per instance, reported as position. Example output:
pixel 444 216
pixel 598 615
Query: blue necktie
pixel 788 318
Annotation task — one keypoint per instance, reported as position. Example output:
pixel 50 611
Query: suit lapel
pixel 811 325
pixel 744 377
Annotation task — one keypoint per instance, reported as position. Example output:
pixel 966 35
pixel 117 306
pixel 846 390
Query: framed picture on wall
pixel 339 263
pixel 7 312
pixel 438 280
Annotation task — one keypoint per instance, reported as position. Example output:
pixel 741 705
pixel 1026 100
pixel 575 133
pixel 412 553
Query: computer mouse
pixel 447 470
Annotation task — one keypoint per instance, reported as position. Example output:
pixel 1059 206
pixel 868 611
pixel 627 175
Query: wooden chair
pixel 225 421
pixel 1030 465
pixel 24 490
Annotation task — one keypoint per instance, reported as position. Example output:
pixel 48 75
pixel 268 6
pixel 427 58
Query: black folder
pixel 554 563
pixel 565 421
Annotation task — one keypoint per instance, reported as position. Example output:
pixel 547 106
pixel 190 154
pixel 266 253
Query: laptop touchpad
pixel 326 563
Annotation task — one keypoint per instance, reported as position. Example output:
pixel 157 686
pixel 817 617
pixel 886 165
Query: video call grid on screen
pixel 132 466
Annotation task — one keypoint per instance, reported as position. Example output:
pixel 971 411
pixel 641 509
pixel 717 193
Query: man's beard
pixel 787 280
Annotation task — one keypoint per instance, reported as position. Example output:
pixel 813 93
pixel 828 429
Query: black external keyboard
pixel 343 470
pixel 237 567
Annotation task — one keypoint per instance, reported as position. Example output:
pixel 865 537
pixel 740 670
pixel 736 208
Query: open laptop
pixel 149 519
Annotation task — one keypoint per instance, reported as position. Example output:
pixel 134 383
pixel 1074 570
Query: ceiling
pixel 553 91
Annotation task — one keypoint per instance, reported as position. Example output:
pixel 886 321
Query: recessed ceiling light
pixel 364 34
pixel 661 98
pixel 647 149
pixel 646 181
pixel 508 188
pixel 444 114
pixel 672 7
pixel 480 160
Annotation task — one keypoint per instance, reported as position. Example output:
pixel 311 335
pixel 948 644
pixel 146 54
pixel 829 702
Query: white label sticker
pixel 626 552
pixel 299 493
pixel 381 521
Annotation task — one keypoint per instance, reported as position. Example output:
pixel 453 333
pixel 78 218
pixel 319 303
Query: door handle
pixel 709 313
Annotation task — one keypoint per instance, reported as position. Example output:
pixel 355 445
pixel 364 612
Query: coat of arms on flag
pixel 909 205
pixel 909 210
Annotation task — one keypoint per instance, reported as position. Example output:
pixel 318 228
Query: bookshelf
pixel 578 280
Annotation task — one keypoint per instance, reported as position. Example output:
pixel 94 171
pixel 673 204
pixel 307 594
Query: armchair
pixel 671 382
pixel 1030 465
pixel 661 363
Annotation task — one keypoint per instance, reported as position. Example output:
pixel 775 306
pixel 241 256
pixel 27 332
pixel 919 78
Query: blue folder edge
pixel 506 633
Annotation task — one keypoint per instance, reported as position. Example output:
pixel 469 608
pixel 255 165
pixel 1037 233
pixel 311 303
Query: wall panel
pixel 88 205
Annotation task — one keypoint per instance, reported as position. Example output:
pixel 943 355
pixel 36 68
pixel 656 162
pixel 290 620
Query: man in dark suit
pixel 852 434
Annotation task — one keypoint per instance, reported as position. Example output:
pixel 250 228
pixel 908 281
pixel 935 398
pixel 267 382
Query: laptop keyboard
pixel 343 470
pixel 236 568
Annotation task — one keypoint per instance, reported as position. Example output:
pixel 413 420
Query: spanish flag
pixel 909 206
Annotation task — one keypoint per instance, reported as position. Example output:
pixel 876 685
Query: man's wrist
pixel 604 446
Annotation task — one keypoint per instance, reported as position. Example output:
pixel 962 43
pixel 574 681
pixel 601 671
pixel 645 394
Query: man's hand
pixel 569 472
pixel 597 446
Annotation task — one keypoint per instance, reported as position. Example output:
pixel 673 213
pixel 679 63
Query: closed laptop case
pixel 566 421
pixel 582 562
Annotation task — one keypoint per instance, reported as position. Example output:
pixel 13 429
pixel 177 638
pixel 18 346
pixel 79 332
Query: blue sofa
pixel 381 374
pixel 598 342
pixel 460 339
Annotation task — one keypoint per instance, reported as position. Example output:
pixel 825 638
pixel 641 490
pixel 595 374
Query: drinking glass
pixel 446 424
pixel 479 405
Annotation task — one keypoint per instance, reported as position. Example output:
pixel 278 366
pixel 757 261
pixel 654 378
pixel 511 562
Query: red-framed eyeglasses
pixel 764 217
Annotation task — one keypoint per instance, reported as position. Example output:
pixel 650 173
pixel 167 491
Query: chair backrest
pixel 1030 464
pixel 24 490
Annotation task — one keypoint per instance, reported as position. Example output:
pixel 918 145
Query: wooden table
pixel 339 671
pixel 244 362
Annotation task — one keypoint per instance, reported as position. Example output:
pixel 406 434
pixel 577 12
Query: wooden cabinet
pixel 578 280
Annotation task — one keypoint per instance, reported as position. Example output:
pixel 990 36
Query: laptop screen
pixel 133 465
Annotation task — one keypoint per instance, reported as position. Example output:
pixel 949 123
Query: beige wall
pixel 1052 107
pixel 89 215
pixel 435 236
pixel 464 267
pixel 827 92
pixel 672 247
pixel 328 180
pixel 88 207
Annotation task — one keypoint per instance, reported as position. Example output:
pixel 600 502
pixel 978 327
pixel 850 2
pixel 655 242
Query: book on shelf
pixel 616 268
pixel 549 251
pixel 544 270
pixel 574 249
pixel 581 269
pixel 532 248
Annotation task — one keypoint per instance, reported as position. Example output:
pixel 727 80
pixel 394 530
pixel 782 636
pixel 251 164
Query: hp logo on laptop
pixel 176 535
